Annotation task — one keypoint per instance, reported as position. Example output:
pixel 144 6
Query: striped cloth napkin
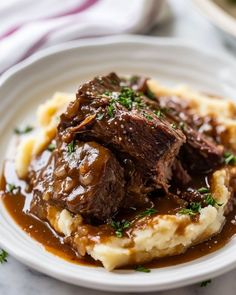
pixel 28 25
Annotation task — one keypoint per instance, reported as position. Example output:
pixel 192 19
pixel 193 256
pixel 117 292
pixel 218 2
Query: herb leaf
pixel 25 130
pixel 203 190
pixel 71 147
pixel 51 147
pixel 205 283
pixel 148 117
pixel 150 94
pixel 194 208
pixel 111 109
pixel 230 159
pixel 120 226
pixel 3 256
pixel 142 269
pixel 100 116
pixel 12 188
pixel 209 200
pixel 147 212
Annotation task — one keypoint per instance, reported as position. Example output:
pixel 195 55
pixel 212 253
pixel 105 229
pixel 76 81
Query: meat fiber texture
pixel 160 236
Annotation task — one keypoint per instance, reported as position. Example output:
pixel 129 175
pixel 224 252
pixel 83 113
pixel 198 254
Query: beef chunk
pixel 200 153
pixel 85 178
pixel 118 117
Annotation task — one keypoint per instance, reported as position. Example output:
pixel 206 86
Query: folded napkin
pixel 27 25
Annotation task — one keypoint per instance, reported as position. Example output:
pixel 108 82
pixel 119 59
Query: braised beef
pixel 85 178
pixel 118 118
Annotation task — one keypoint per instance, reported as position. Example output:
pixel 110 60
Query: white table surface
pixel 15 278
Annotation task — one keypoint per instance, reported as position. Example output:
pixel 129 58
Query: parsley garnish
pixel 203 190
pixel 3 256
pixel 148 117
pixel 100 116
pixel 51 147
pixel 119 227
pixel 147 212
pixel 12 188
pixel 142 269
pixel 194 208
pixel 182 125
pixel 25 130
pixel 111 109
pixel 158 113
pixel 150 94
pixel 107 93
pixel 230 159
pixel 71 147
pixel 209 200
pixel 127 97
pixel 205 283
pixel 174 126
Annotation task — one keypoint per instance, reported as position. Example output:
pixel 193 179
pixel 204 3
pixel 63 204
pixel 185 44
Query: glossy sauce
pixel 18 206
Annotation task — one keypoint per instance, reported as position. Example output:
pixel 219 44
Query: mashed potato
pixel 163 234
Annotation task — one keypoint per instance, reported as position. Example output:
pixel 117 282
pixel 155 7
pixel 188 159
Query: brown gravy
pixel 18 207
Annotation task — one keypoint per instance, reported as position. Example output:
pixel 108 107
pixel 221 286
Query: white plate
pixel 222 14
pixel 63 68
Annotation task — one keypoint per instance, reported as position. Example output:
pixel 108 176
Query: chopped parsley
pixel 127 96
pixel 159 113
pixel 205 283
pixel 142 269
pixel 150 94
pixel 111 109
pixel 71 147
pixel 174 126
pixel 182 125
pixel 209 200
pixel 193 209
pixel 203 190
pixel 148 117
pixel 119 227
pixel 25 130
pixel 107 93
pixel 134 79
pixel 3 256
pixel 51 147
pixel 230 159
pixel 12 188
pixel 147 212
pixel 100 116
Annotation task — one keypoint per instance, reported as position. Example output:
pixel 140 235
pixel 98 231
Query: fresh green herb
pixel 71 147
pixel 205 283
pixel 148 117
pixel 111 109
pixel 100 116
pixel 3 256
pixel 230 159
pixel 107 93
pixel 119 227
pixel 193 209
pixel 174 126
pixel 127 96
pixel 159 113
pixel 203 190
pixel 12 188
pixel 142 269
pixel 133 79
pixel 51 147
pixel 25 130
pixel 182 125
pixel 209 200
pixel 150 94
pixel 147 212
